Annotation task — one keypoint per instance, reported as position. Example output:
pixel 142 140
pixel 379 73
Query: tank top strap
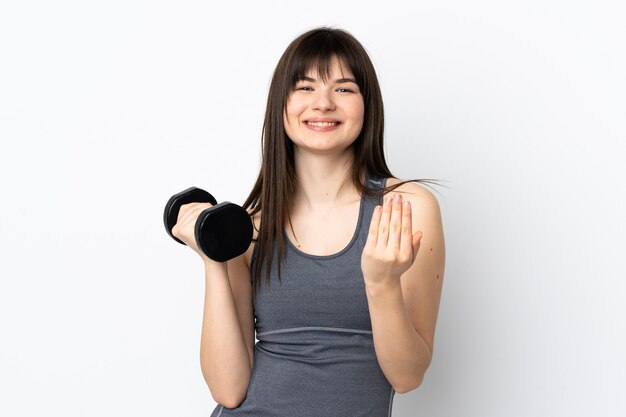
pixel 369 203
pixel 375 181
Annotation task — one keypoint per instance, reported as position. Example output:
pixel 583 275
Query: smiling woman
pixel 324 113
pixel 345 313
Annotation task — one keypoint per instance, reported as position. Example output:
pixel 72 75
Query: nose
pixel 323 100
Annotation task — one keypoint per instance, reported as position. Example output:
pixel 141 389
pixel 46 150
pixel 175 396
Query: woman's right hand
pixel 184 229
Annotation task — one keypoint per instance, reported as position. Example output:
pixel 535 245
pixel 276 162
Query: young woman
pixel 345 270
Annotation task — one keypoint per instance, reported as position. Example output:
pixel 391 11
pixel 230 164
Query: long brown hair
pixel 275 186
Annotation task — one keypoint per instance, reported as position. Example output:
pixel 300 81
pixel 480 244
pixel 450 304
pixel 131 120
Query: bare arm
pixel 227 340
pixel 226 352
pixel 404 306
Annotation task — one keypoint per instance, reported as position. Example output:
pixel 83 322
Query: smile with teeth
pixel 322 123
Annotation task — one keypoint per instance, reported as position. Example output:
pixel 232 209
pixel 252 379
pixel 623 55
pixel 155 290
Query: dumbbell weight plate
pixel 223 231
pixel 172 208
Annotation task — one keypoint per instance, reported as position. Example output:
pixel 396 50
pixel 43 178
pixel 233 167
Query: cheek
pixel 358 113
pixel 291 113
pixel 290 122
pixel 287 125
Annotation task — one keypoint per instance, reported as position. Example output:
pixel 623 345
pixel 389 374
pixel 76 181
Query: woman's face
pixel 322 117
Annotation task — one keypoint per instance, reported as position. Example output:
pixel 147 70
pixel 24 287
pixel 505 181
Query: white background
pixel 109 108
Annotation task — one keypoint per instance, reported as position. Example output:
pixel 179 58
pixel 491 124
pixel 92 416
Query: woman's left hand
pixel 391 246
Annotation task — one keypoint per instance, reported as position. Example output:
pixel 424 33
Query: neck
pixel 323 182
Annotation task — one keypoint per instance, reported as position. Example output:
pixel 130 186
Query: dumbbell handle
pixel 222 231
pixel 172 208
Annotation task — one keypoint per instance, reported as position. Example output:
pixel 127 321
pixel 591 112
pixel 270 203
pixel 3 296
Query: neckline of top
pixel 368 180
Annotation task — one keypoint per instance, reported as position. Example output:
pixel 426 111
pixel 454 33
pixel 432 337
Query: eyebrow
pixel 338 80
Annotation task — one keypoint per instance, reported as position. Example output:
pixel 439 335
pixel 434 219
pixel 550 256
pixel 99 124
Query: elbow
pixel 403 389
pixel 227 391
pixel 414 381
pixel 229 397
pixel 408 386
pixel 230 402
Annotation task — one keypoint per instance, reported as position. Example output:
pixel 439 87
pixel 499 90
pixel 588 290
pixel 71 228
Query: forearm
pixel 224 359
pixel 402 353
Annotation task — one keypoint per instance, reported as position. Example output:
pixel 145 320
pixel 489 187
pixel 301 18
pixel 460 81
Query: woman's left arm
pixel 403 264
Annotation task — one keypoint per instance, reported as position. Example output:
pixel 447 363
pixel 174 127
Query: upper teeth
pixel 323 123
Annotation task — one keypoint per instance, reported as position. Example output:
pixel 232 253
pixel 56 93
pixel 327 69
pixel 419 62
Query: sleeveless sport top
pixel 315 352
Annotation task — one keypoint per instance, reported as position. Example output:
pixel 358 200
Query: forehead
pixel 328 67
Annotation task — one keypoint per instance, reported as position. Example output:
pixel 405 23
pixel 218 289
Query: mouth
pixel 321 124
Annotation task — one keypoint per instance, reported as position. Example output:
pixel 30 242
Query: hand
pixel 184 229
pixel 391 248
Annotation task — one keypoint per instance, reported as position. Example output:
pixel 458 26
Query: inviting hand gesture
pixel 391 246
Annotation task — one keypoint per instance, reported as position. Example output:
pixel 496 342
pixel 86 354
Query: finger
pixel 395 224
pixel 406 244
pixel 417 241
pixel 192 211
pixel 372 236
pixel 383 227
pixel 184 212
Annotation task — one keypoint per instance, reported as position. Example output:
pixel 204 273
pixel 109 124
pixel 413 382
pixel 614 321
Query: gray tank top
pixel 315 352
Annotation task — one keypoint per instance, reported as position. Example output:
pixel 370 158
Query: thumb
pixel 417 238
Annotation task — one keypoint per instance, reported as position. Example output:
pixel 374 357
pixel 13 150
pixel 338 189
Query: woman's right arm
pixel 227 341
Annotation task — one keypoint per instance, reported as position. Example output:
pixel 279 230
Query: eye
pixel 304 88
pixel 341 90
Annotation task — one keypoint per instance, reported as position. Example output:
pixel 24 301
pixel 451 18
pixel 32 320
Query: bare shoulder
pixel 420 197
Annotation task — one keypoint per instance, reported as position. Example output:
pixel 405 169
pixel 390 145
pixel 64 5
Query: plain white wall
pixel 108 108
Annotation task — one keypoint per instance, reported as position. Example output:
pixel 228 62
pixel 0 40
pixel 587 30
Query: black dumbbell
pixel 222 232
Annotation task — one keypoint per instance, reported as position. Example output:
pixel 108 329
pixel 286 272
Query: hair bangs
pixel 316 55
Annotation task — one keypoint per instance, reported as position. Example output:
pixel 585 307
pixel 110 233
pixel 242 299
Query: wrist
pixel 382 286
pixel 213 266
